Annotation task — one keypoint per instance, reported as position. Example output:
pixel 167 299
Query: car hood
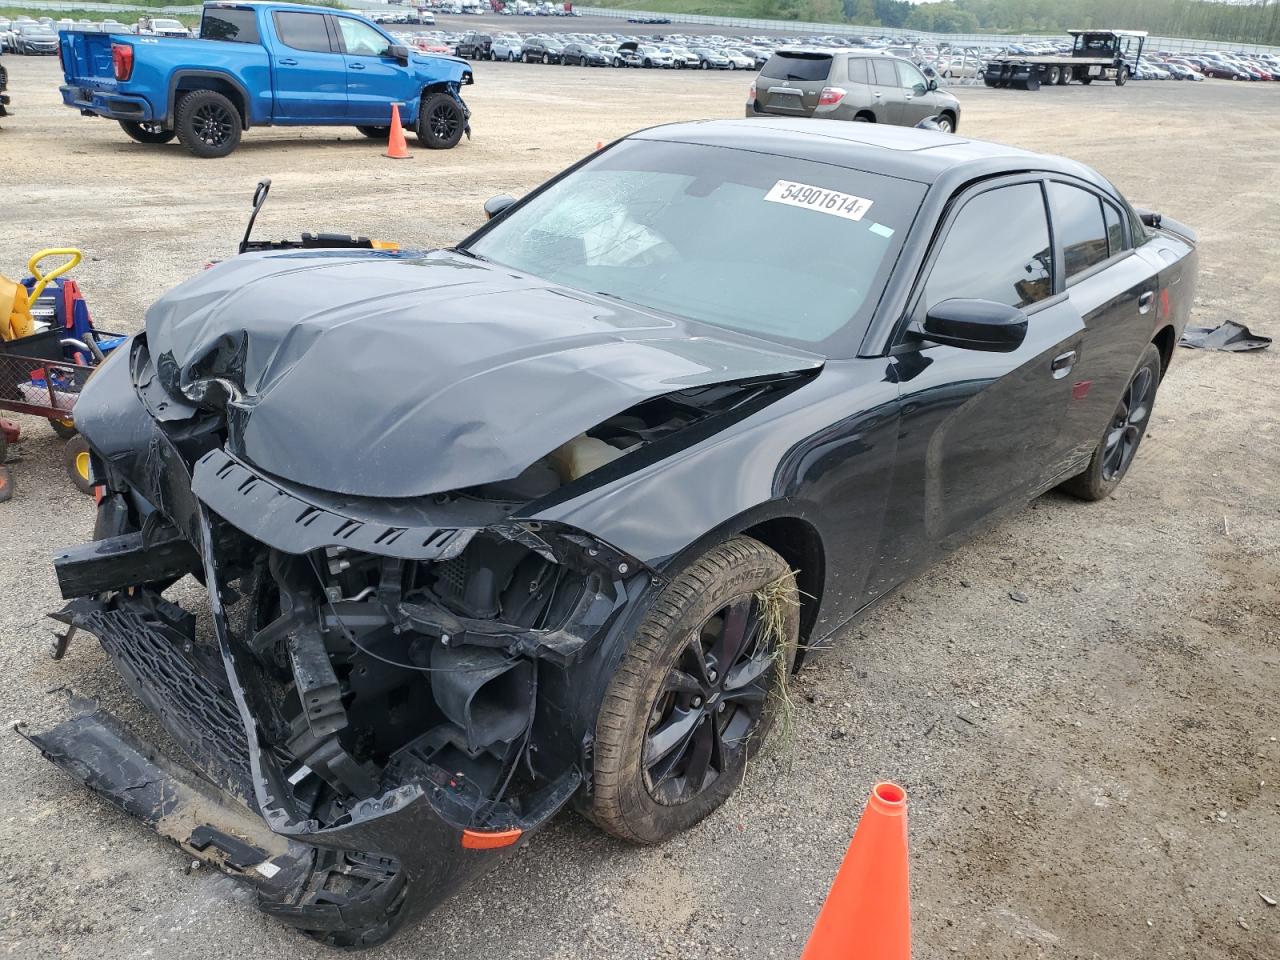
pixel 391 374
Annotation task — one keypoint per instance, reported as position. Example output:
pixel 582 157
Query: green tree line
pixel 1257 21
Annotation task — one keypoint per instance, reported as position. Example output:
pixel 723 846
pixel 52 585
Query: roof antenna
pixel 259 198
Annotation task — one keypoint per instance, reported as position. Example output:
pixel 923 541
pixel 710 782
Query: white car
pixel 506 46
pixel 739 60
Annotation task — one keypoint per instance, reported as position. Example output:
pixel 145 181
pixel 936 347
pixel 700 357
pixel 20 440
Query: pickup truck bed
pixel 296 65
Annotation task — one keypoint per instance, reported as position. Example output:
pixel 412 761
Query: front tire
pixel 208 124
pixel 147 132
pixel 1114 453
pixel 440 122
pixel 695 693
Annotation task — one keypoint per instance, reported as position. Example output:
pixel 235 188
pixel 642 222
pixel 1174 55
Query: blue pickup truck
pixel 263 64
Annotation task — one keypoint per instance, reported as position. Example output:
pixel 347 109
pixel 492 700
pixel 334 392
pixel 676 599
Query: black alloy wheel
pixel 710 705
pixel 1115 451
pixel 697 690
pixel 1128 425
pixel 208 124
pixel 441 121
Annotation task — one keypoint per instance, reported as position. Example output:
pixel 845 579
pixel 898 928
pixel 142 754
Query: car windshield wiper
pixel 469 254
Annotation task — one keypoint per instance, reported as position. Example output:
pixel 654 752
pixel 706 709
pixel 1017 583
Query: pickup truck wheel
pixel 147 132
pixel 696 692
pixel 375 133
pixel 208 124
pixel 440 122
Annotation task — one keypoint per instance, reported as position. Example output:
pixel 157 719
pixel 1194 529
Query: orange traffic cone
pixel 867 915
pixel 396 148
pixel 599 144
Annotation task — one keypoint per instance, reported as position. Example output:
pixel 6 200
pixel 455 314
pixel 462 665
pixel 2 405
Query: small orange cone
pixel 396 148
pixel 599 144
pixel 867 915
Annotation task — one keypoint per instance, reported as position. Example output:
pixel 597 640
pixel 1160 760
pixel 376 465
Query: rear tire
pixel 1055 76
pixel 1122 76
pixel 1118 446
pixel 685 687
pixel 147 132
pixel 375 133
pixel 208 124
pixel 440 121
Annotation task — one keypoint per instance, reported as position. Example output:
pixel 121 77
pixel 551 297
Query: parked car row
pixel 32 36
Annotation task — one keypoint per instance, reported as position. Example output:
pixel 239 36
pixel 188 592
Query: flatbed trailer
pixel 1096 55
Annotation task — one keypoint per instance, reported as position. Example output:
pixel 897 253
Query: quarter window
pixel 303 31
pixel 997 249
pixel 1115 229
pixel 858 72
pixel 1078 227
pixel 361 40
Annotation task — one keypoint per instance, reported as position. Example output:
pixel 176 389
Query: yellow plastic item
pixel 15 311
pixel 385 245
pixel 43 279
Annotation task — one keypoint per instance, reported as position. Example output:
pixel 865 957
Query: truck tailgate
pixel 86 58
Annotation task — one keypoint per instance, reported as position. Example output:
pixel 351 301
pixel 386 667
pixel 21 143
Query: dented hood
pixel 402 374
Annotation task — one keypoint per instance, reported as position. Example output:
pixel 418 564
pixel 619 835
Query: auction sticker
pixel 818 198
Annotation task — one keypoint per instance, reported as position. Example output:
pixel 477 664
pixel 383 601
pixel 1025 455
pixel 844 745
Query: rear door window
pixel 1078 227
pixel 230 25
pixel 303 31
pixel 883 74
pixel 797 65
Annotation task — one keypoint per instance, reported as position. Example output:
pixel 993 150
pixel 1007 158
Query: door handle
pixel 355 66
pixel 1146 300
pixel 288 62
pixel 1062 364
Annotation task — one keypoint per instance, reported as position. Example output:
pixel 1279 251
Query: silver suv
pixel 849 85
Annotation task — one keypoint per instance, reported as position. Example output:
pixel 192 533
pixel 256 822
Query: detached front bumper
pixel 114 106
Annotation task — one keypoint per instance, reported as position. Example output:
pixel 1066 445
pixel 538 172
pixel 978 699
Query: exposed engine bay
pixel 396 686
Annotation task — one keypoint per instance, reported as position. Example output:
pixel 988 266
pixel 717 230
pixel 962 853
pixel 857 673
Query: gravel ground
pixel 1092 772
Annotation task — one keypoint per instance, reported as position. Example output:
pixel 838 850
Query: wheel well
pixel 951 115
pixel 866 115
pixel 1165 343
pixel 800 545
pixel 224 87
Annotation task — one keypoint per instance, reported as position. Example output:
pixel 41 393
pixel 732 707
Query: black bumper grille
pixel 190 697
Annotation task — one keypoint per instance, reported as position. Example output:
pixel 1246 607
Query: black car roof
pixel 909 153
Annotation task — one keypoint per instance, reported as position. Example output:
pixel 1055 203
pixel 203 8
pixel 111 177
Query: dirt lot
pixel 1093 773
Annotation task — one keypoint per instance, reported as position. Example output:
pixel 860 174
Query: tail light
pixel 751 94
pixel 831 96
pixel 122 60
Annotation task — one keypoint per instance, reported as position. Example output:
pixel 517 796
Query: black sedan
pixel 541 50
pixel 583 55
pixel 548 518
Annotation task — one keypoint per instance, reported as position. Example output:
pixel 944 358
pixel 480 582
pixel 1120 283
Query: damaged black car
pixel 547 518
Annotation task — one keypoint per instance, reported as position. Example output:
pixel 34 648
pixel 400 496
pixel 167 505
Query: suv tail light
pixel 751 94
pixel 830 96
pixel 122 60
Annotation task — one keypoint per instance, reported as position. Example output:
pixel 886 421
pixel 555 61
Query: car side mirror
pixel 975 325
pixel 496 206
pixel 398 51
pixel 933 84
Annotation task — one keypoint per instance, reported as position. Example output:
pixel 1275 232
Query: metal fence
pixel 769 27
pixel 774 27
